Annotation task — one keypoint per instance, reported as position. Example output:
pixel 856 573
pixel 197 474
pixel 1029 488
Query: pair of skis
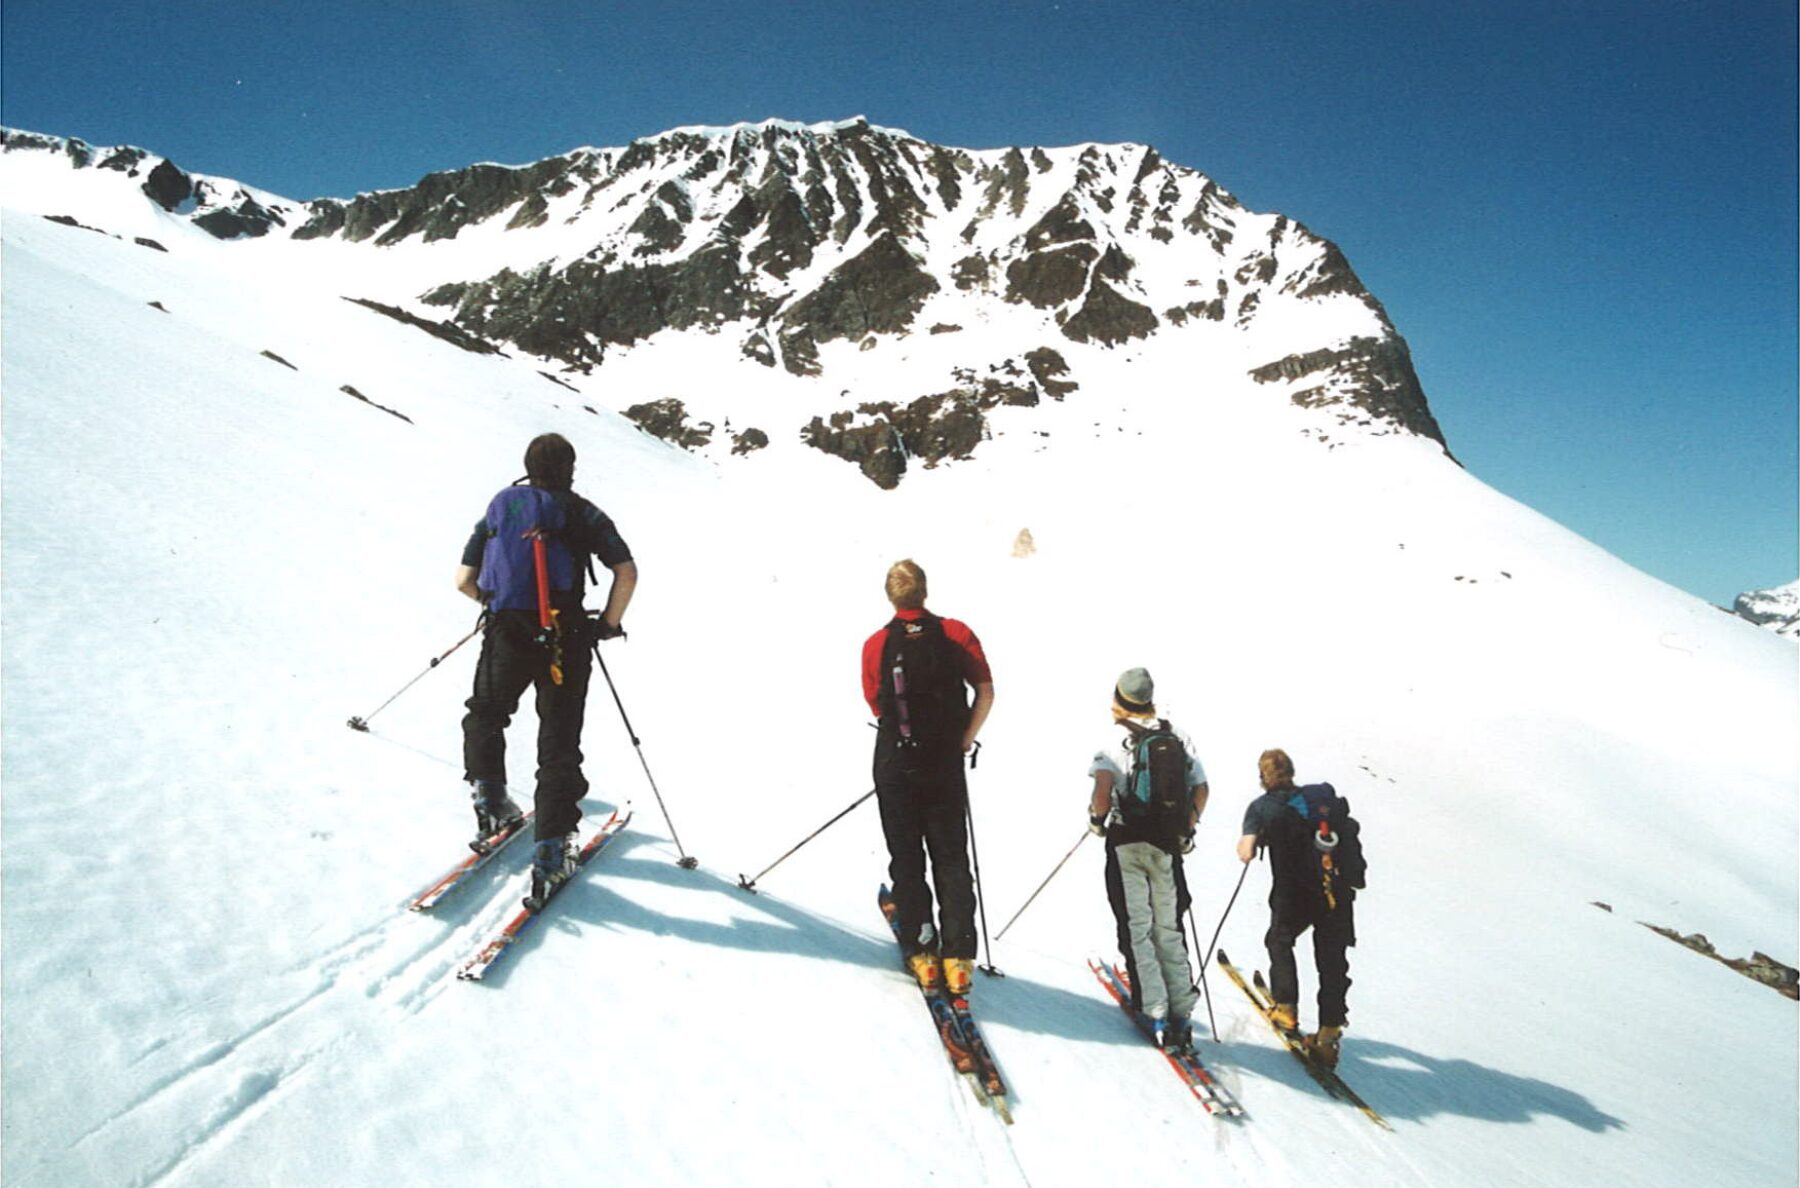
pixel 1294 1041
pixel 956 1029
pixel 505 939
pixel 1211 1095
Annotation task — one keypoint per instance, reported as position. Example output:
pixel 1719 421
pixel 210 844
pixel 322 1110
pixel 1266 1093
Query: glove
pixel 1187 844
pixel 605 630
pixel 1096 825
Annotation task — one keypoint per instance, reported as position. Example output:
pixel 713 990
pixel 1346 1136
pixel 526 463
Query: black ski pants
pixel 924 812
pixel 512 661
pixel 1115 896
pixel 1334 932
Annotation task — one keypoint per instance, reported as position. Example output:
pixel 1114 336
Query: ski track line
pixel 384 963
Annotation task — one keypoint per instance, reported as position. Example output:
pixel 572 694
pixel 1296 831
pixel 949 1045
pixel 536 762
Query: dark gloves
pixel 604 630
pixel 1096 825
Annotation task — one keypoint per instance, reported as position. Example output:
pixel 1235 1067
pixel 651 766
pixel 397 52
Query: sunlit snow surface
pixel 213 560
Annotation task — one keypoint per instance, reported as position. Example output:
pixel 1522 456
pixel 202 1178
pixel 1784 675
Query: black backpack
pixel 1154 802
pixel 1329 838
pixel 923 697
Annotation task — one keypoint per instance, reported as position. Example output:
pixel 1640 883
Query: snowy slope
pixel 212 560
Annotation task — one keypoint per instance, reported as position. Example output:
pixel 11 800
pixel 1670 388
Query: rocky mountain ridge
pixel 804 241
pixel 1777 609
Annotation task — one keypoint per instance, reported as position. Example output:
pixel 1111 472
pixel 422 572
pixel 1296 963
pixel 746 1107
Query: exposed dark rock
pixel 1758 967
pixel 327 218
pixel 350 391
pixel 1109 317
pixel 877 291
pixel 972 272
pixel 749 441
pixel 874 446
pixel 1047 365
pixel 1212 311
pixel 124 159
pixel 71 221
pixel 560 382
pixel 667 420
pixel 1062 223
pixel 533 212
pixel 450 333
pixel 248 218
pixel 1115 264
pixel 1008 183
pixel 945 328
pixel 757 347
pixel 157 305
pixel 1372 375
pixel 149 243
pixel 168 186
pixel 1050 278
pixel 79 152
pixel 571 314
pixel 280 360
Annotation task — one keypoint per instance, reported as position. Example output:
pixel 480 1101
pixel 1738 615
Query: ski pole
pixel 1042 885
pixel 362 724
pixel 1206 954
pixel 750 884
pixel 990 969
pixel 687 862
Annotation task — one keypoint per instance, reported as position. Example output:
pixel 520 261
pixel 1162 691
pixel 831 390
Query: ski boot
pixel 925 968
pixel 552 862
pixel 958 975
pixel 1285 1016
pixel 1178 1036
pixel 494 812
pixel 1322 1046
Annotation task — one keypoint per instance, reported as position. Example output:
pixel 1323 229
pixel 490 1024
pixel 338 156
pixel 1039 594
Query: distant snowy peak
pixel 223 208
pixel 1777 609
pixel 803 244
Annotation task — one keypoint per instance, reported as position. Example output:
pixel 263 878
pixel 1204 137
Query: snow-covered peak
pixel 1778 609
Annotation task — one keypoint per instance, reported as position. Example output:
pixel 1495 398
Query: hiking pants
pixel 1115 895
pixel 924 807
pixel 1334 932
pixel 511 662
pixel 1160 977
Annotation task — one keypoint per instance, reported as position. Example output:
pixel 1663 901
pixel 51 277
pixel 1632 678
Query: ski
pixel 1291 1038
pixel 506 939
pixel 1211 1095
pixel 484 850
pixel 956 1027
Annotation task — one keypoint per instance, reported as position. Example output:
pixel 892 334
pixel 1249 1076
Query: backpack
pixel 922 694
pixel 515 517
pixel 1154 802
pixel 1331 837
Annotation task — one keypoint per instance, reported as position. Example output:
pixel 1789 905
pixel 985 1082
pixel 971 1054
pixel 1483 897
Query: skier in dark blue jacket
pixel 519 651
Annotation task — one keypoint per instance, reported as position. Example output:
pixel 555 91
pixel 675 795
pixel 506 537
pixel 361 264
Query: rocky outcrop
pixel 883 438
pixel 877 291
pixel 667 420
pixel 1364 380
pixel 1777 609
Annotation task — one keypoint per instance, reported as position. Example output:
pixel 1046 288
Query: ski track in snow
pixel 398 965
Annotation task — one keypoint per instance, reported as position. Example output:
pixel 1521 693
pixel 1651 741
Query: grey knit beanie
pixel 1135 692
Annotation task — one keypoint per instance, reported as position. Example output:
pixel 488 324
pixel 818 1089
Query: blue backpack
pixel 508 573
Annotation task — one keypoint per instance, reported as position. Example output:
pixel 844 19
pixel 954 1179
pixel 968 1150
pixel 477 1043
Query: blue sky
pixel 1581 215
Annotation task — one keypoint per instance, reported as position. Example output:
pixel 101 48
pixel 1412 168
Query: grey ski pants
pixel 1166 984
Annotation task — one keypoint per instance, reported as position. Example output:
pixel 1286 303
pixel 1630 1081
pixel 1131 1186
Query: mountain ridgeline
pixel 800 240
